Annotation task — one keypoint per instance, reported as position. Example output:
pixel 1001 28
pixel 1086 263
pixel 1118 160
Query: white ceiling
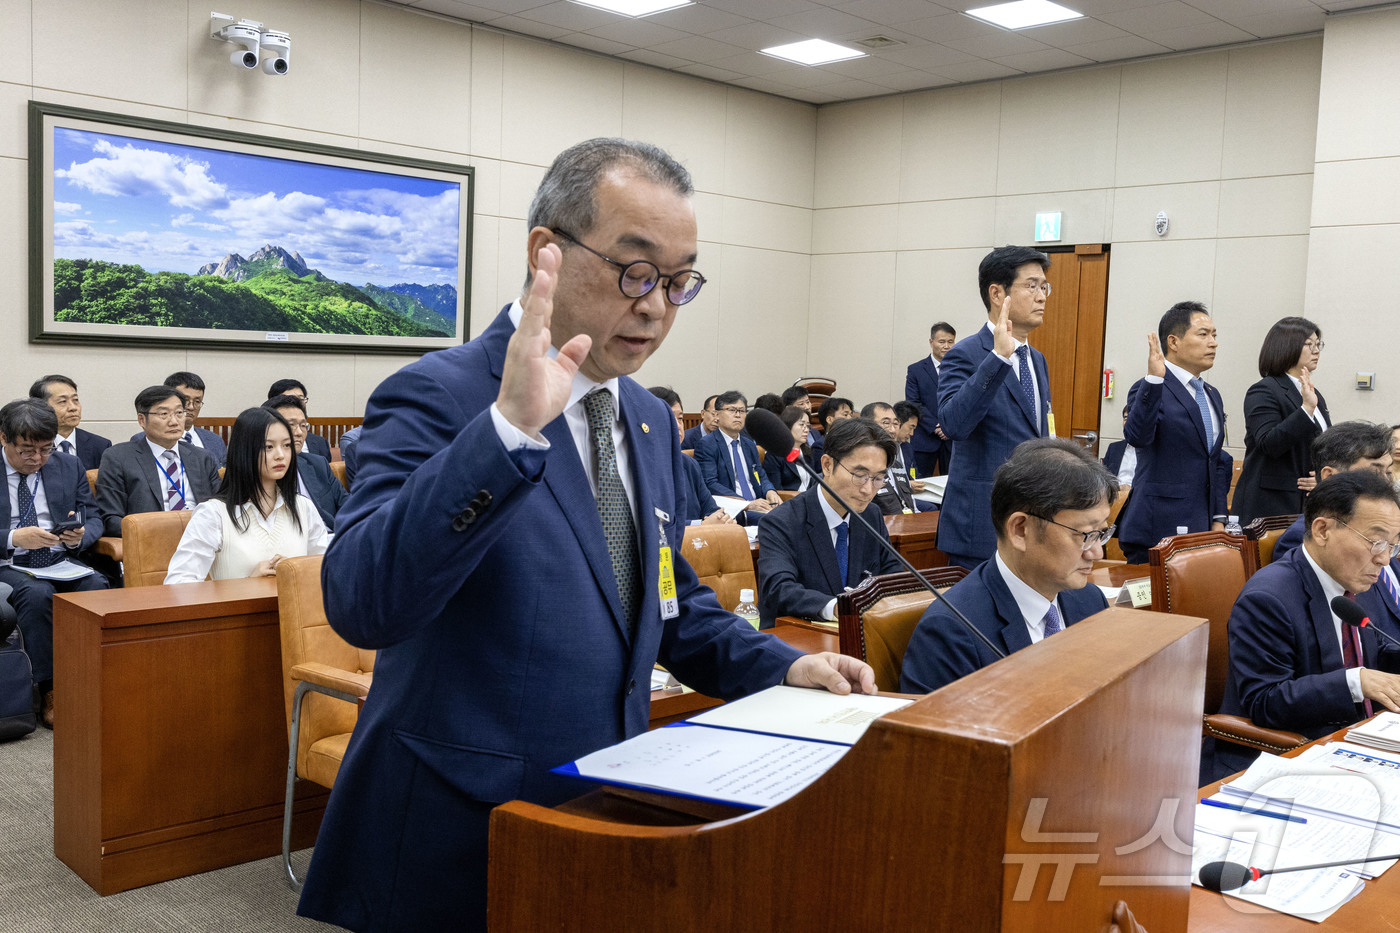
pixel 938 44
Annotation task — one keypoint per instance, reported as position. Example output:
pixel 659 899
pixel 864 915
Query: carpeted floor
pixel 40 893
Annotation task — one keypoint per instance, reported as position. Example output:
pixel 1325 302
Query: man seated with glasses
pixel 1350 445
pixel 155 472
pixel 811 550
pixel 314 443
pixel 192 388
pixel 896 496
pixel 1050 505
pixel 44 489
pixel 1293 664
pixel 728 457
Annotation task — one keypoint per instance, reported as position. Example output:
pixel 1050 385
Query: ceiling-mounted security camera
pixel 276 51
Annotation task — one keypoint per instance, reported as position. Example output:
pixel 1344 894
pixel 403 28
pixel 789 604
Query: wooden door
pixel 1072 337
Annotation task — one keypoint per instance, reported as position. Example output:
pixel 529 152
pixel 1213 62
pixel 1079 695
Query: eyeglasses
pixel 34 453
pixel 1091 539
pixel 165 414
pixel 735 410
pixel 1378 548
pixel 1037 287
pixel 637 279
pixel 1316 346
pixel 862 478
pixel 194 403
pixel 889 424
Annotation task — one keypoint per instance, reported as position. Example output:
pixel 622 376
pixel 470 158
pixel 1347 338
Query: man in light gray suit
pixel 156 472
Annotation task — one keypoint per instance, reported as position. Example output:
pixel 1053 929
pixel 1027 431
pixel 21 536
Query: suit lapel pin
pixel 645 429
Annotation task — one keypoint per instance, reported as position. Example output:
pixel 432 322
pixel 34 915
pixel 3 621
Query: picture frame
pixel 151 233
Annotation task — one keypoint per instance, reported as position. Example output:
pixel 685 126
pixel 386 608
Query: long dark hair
pixel 243 468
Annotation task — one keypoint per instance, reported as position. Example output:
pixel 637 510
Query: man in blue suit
pixel 44 488
pixel 932 448
pixel 708 417
pixel 1293 664
pixel 1050 505
pixel 1351 445
pixel 1176 422
pixel 62 395
pixel 809 548
pixel 314 443
pixel 512 549
pixel 728 457
pixel 993 393
pixel 700 506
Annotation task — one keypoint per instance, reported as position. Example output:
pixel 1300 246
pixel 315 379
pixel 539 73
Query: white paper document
pixel 63 570
pixel 934 488
pixel 1382 732
pixel 732 505
pixel 799 713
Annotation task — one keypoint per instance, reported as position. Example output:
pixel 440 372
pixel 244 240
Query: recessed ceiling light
pixel 635 8
pixel 813 52
pixel 1024 13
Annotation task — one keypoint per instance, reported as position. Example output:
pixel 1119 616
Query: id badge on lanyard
pixel 670 605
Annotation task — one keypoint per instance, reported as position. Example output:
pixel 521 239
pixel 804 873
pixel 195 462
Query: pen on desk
pixel 1254 812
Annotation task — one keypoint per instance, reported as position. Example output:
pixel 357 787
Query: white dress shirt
pixel 1033 606
pixel 1014 362
pixel 1317 414
pixel 1128 465
pixel 204 536
pixel 1331 589
pixel 71 440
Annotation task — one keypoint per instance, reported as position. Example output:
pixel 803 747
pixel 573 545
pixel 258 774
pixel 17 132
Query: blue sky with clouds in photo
pixel 170 207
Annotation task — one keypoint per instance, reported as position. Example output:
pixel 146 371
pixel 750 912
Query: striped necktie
pixel 174 489
pixel 1351 652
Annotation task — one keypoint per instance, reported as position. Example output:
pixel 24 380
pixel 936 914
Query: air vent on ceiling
pixel 878 42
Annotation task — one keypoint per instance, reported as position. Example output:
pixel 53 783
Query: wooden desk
pixel 170 752
pixel 916 538
pixel 1116 573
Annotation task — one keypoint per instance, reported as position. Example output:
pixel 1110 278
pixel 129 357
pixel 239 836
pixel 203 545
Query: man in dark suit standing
pixel 1050 505
pixel 1176 421
pixel 157 472
pixel 809 548
pixel 728 457
pixel 192 388
pixel 44 488
pixel 1293 664
pixel 993 393
pixel 314 443
pixel 932 449
pixel 1351 445
pixel 512 549
pixel 314 474
pixel 62 395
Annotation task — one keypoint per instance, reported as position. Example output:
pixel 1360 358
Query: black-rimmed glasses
pixel 1091 539
pixel 637 279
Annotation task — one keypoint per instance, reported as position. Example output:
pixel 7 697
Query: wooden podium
pixel 1029 796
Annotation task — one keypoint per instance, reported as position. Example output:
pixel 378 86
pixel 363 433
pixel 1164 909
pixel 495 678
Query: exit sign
pixel 1047 226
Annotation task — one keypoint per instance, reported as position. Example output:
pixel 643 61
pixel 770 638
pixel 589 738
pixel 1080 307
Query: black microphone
pixel 768 429
pixel 1352 614
pixel 1227 876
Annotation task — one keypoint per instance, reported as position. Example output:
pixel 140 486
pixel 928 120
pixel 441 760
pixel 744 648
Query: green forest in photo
pixel 273 299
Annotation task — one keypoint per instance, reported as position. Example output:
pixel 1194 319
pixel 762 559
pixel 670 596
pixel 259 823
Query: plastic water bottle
pixel 1233 526
pixel 747 608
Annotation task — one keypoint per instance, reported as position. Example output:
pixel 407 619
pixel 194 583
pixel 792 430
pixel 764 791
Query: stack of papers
pixel 754 752
pixel 63 570
pixel 1383 732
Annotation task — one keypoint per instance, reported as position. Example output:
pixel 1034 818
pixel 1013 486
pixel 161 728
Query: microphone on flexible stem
pixel 1351 614
pixel 768 429
pixel 1227 876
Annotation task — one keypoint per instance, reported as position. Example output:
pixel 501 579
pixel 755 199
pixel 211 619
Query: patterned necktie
pixel 1388 582
pixel 29 516
pixel 843 550
pixel 613 507
pixel 1203 403
pixel 1023 355
pixel 188 438
pixel 741 481
pixel 1351 651
pixel 1052 621
pixel 66 447
pixel 174 497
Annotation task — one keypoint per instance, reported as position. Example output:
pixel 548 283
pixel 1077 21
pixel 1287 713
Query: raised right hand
pixel 1156 362
pixel 1309 393
pixel 1003 343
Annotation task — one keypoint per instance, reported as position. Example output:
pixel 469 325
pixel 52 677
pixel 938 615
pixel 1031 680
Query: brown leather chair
pixel 324 678
pixel 721 558
pixel 876 619
pixel 1265 532
pixel 92 482
pixel 107 546
pixel 1201 575
pixel 1111 550
pixel 338 468
pixel 149 540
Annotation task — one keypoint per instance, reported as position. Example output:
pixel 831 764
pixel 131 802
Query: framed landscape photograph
pixel 155 233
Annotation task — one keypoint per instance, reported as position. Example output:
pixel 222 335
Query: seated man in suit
pixel 1293 664
pixel 729 458
pixel 810 550
pixel 314 443
pixel 835 409
pixel 708 418
pixel 157 472
pixel 44 488
pixel 1177 423
pixel 1050 504
pixel 62 395
pixel 348 440
pixel 314 474
pixel 932 449
pixel 1121 458
pixel 192 388
pixel 1351 445
pixel 700 504
pixel 896 495
pixel 907 413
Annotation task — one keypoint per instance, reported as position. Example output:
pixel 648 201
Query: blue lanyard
pixel 180 467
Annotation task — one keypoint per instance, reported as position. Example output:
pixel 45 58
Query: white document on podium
pixel 800 713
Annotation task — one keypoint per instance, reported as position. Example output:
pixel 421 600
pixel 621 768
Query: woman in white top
pixel 248 526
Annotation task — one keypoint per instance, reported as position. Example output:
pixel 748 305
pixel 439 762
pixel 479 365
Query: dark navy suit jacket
pixel 482 577
pixel 692 437
pixel 1285 661
pixel 1278 438
pixel 66 488
pixel 713 455
pixel 90 448
pixel 985 413
pixel 785 475
pixel 797 571
pixel 1179 480
pixel 942 649
pixel 698 501
pixel 1113 458
pixel 326 492
pixel 921 386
